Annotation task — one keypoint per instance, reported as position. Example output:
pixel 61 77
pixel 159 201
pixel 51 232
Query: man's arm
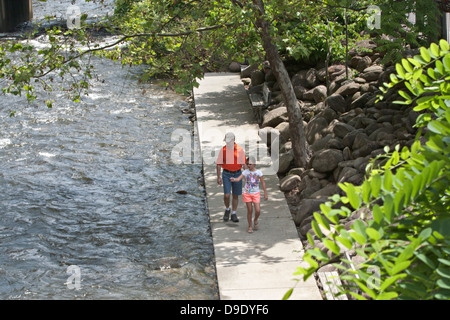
pixel 219 174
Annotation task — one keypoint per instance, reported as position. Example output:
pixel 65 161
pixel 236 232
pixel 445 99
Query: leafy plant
pixel 405 240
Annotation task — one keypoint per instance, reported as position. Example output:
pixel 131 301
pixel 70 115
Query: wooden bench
pixel 260 101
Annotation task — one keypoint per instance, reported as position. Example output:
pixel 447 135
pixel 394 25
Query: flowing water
pixel 89 205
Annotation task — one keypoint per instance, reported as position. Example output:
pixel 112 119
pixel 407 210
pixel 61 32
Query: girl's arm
pixel 237 179
pixel 263 184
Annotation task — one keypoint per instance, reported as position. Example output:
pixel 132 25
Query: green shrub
pixel 406 237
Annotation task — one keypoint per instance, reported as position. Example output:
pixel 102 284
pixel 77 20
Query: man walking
pixel 231 158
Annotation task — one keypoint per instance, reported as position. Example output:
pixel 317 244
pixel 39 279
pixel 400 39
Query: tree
pixel 181 39
pixel 296 129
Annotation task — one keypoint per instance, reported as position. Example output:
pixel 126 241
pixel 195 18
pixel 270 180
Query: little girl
pixel 251 195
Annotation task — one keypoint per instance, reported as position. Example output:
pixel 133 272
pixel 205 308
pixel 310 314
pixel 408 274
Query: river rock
pixel 289 182
pixel 306 209
pixel 341 129
pixel 299 79
pixel 246 72
pixel 372 73
pixel 234 67
pixel 336 102
pixel 312 79
pixel 361 139
pixel 361 101
pixel 348 88
pixel 275 117
pixel 326 160
pixel 257 77
pixel 284 161
pixel 327 191
pixel 319 93
pixel 283 129
pixel 313 130
pixel 299 91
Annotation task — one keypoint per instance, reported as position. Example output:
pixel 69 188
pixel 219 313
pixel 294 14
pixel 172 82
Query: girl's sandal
pixel 256 226
pixel 250 230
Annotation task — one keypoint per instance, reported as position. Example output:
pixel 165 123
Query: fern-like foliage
pixel 405 241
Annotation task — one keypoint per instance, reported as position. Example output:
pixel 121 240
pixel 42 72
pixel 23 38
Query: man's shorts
pixel 251 197
pixel 229 186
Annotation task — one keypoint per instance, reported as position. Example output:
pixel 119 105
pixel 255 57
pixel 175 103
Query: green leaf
pixel 386 283
pixel 425 54
pixel 332 246
pixel 404 153
pixel 400 267
pixel 388 207
pixel 310 238
pixel 353 196
pixel 359 227
pixel 366 191
pixel 446 61
pixel 319 254
pixel 377 213
pixel 400 71
pixel 407 65
pixel 405 95
pixel 416 185
pixel 358 237
pixel 288 294
pixel 443 272
pixel 373 234
pixel 444 45
pixel 347 243
pixel 444 283
pixel 434 50
pixel 414 62
pixel 387 296
pixel 426 260
pixel 375 185
pixel 387 181
pixel 321 220
pixel 316 228
pixel 399 200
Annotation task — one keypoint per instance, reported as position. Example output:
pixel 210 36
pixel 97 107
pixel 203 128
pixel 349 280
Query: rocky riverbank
pixel 345 124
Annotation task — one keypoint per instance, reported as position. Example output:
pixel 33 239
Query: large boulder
pixel 289 182
pixel 257 77
pixel 372 73
pixel 336 102
pixel 299 79
pixel 341 129
pixel 319 93
pixel 326 160
pixel 314 129
pixel 275 117
pixel 284 161
pixel 348 89
pixel 312 79
pixel 306 209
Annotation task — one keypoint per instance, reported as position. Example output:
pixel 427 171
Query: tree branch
pixel 137 35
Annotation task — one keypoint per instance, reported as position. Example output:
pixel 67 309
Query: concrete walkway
pixel 249 266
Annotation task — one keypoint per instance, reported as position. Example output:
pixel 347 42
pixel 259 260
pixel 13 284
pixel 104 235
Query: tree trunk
pixel 296 129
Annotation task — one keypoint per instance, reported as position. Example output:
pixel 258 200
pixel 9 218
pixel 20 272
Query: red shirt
pixel 231 160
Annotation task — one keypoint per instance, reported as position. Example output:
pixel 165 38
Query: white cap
pixel 229 137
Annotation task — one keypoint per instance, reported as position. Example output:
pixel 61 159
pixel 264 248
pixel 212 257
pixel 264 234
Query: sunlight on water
pixel 89 203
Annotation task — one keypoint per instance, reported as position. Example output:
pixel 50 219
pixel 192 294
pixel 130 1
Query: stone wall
pixel 345 127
